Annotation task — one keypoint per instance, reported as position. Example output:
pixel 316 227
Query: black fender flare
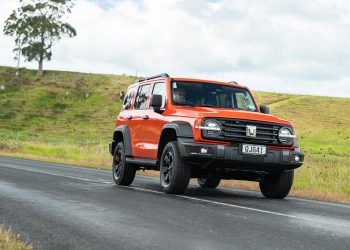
pixel 121 133
pixel 182 129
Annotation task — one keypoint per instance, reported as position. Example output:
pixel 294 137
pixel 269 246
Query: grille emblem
pixel 251 131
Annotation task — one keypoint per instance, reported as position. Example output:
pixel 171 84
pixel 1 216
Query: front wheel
pixel 277 186
pixel 208 182
pixel 123 172
pixel 174 174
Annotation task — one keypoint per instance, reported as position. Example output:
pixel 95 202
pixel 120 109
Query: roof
pixel 165 75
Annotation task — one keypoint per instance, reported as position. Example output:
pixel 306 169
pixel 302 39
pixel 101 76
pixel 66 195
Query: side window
pixel 244 101
pixel 159 89
pixel 128 98
pixel 141 98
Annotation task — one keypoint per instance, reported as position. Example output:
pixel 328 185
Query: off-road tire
pixel 123 172
pixel 173 165
pixel 277 186
pixel 208 182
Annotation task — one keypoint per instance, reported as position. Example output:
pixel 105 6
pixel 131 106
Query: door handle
pixel 129 117
pixel 145 117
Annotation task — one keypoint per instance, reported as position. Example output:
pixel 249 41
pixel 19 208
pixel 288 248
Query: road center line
pixel 159 192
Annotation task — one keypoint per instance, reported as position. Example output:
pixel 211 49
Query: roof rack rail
pixel 233 82
pixel 152 77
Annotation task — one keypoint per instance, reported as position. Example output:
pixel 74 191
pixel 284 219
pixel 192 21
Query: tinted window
pixel 211 95
pixel 141 98
pixel 159 89
pixel 128 98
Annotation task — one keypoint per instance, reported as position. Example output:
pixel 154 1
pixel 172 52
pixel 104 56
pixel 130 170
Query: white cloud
pixel 282 46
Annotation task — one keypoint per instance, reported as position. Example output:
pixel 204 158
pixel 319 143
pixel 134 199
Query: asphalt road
pixel 56 206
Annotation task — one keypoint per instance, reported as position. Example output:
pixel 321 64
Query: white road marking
pixel 61 175
pixel 220 203
pixel 159 192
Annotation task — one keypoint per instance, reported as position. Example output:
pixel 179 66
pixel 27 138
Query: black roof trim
pixel 233 82
pixel 163 75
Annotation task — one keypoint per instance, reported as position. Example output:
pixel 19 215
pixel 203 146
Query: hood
pixel 203 112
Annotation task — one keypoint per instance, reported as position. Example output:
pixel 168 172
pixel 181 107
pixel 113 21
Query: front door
pixel 147 124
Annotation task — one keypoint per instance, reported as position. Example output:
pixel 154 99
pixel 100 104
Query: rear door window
pixel 141 98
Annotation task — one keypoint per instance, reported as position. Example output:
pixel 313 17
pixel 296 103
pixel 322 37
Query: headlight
pixel 285 135
pixel 210 128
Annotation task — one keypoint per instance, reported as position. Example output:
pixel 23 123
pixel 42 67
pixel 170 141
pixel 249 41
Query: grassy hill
pixel 69 117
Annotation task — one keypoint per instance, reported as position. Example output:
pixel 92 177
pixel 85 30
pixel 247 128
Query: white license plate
pixel 253 149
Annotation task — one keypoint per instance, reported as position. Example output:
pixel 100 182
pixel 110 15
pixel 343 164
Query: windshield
pixel 211 95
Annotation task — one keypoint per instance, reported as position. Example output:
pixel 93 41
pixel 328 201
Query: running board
pixel 141 161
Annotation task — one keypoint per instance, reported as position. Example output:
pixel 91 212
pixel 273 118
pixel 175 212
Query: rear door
pixel 138 123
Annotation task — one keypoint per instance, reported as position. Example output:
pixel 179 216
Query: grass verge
pixel 8 241
pixel 322 177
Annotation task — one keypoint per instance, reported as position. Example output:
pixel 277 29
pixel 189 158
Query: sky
pixel 290 46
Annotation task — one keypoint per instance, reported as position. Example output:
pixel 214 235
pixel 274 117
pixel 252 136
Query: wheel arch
pixel 122 133
pixel 171 131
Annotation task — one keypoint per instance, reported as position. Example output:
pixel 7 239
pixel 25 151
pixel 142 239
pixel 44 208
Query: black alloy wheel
pixel 174 173
pixel 123 172
pixel 168 166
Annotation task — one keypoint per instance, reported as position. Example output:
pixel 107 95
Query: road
pixel 56 206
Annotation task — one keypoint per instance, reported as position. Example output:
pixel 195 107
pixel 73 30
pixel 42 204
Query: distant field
pixel 69 117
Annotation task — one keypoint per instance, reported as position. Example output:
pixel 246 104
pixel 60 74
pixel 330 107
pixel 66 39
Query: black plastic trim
pixel 163 75
pixel 230 157
pixel 141 161
pixel 124 129
pixel 182 129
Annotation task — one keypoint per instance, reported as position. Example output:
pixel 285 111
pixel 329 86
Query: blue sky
pixel 280 46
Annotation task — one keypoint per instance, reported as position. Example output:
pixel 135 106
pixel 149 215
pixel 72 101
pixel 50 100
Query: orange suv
pixel 209 130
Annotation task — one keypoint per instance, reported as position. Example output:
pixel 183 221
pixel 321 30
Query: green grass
pixel 53 119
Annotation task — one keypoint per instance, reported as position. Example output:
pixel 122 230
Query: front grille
pixel 235 130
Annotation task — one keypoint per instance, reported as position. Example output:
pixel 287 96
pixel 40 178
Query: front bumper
pixel 231 157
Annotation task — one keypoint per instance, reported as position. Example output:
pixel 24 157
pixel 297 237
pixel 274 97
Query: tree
pixel 37 25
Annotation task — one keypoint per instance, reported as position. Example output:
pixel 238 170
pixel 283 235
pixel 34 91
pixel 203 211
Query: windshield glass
pixel 211 95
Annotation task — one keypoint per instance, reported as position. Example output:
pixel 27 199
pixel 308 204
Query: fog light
pixel 204 150
pixel 296 158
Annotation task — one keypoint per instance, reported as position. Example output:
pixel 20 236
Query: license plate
pixel 253 149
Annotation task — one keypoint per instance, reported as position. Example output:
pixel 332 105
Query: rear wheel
pixel 277 186
pixel 208 182
pixel 123 172
pixel 174 174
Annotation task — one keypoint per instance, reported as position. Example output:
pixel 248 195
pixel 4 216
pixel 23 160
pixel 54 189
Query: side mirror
pixel 264 109
pixel 156 103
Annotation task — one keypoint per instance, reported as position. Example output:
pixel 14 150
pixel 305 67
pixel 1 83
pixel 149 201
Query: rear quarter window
pixel 129 98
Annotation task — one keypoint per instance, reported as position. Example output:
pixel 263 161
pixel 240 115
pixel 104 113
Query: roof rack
pixel 233 82
pixel 163 75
